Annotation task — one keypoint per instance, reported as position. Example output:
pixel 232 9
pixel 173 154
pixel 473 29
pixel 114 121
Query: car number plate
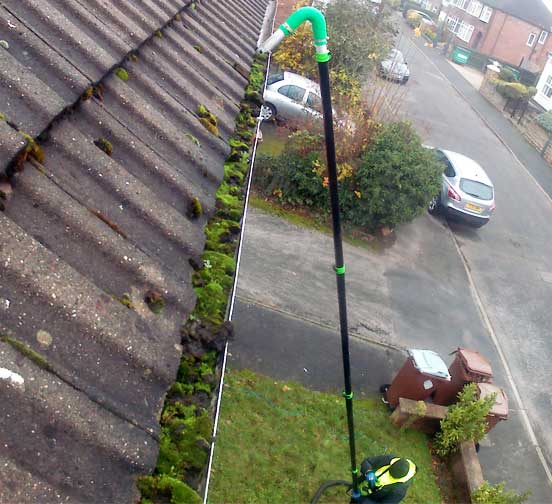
pixel 473 208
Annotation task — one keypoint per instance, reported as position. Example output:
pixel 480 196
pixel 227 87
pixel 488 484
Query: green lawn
pixel 278 442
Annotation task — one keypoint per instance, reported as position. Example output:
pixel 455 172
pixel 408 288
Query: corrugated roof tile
pixel 101 220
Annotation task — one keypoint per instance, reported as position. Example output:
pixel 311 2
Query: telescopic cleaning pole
pixel 318 22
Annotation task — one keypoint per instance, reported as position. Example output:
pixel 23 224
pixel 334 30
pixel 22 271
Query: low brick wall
pixel 488 90
pixel 528 126
pixel 406 414
pixel 466 467
pixel 464 463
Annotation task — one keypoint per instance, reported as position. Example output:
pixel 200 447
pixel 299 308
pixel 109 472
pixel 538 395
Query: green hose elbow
pixel 319 31
pixel 311 14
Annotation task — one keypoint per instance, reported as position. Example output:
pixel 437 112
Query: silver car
pixel 291 96
pixel 394 67
pixel 467 193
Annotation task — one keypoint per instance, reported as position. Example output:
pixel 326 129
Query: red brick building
pixel 513 31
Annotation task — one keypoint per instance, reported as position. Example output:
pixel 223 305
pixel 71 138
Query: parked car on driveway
pixel 291 96
pixel 467 193
pixel 425 19
pixel 394 67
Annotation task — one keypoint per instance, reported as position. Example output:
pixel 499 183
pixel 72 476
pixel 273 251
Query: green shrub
pixel 495 494
pixel 545 120
pixel 390 182
pixel 515 90
pixel 506 74
pixel 466 420
pixel 396 178
pixel 413 19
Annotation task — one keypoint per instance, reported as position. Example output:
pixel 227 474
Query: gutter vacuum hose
pixel 320 36
pixel 327 485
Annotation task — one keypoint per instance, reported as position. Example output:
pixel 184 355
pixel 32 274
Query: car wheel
pixel 434 204
pixel 404 80
pixel 268 111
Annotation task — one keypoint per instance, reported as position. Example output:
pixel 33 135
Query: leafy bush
pixel 495 494
pixel 413 19
pixel 293 177
pixel 386 176
pixel 545 120
pixel 466 420
pixel 507 75
pixel 429 31
pixel 515 90
pixel 396 178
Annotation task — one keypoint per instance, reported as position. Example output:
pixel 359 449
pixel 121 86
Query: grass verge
pixel 278 442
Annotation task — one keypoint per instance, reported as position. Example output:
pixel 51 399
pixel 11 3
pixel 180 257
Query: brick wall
pixel 506 39
pixel 479 31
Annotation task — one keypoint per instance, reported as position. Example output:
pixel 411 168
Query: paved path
pixel 472 75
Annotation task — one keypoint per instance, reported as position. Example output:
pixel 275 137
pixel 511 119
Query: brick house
pixel 512 31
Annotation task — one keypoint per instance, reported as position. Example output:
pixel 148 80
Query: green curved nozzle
pixel 293 22
pixel 318 22
pixel 307 14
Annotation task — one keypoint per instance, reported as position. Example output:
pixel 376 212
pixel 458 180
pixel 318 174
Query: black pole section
pixel 339 265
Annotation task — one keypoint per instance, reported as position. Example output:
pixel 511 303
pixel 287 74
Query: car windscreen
pixel 476 189
pixel 275 78
pixel 396 57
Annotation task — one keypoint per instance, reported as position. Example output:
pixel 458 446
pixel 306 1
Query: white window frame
pixel 531 39
pixel 486 14
pixel 547 88
pixel 542 37
pixel 475 8
pixel 461 4
pixel 465 31
pixel 453 22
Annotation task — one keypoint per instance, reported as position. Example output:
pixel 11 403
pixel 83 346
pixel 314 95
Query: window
pixel 476 189
pixel 475 8
pixel 296 93
pixel 531 39
pixel 542 37
pixel 486 14
pixel 453 22
pixel 274 78
pixel 465 31
pixel 461 4
pixel 448 168
pixel 547 88
pixel 314 102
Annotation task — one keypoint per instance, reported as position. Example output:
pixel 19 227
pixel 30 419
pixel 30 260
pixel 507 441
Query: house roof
pixel 534 12
pixel 85 236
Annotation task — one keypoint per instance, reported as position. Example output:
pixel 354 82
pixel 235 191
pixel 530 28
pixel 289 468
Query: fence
pixel 527 124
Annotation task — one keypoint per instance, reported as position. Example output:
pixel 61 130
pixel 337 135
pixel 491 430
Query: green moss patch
pixel 122 74
pixel 28 352
pixel 208 120
pixel 104 145
pixel 186 425
pixel 155 301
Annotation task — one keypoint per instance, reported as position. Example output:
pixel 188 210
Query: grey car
pixel 394 67
pixel 291 96
pixel 467 193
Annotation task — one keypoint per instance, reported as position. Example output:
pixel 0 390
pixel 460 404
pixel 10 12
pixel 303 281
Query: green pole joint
pixel 322 58
pixel 348 396
pixel 340 270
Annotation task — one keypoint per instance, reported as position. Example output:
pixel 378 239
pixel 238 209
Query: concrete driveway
pixel 437 287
